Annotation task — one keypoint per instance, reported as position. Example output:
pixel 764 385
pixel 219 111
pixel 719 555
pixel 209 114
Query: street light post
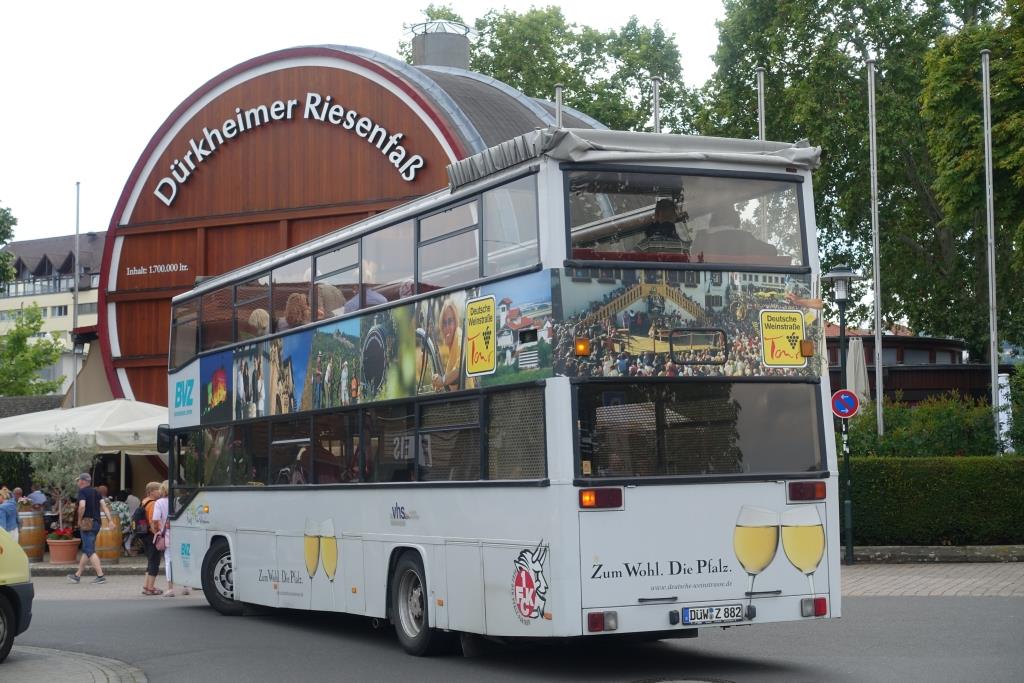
pixel 841 277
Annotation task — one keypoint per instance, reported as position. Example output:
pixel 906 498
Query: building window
pixel 58 311
pixel 87 309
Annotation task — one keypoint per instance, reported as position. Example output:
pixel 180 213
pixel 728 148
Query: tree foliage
pixel 952 117
pixel 816 87
pixel 605 74
pixel 57 470
pixel 23 355
pixel 7 223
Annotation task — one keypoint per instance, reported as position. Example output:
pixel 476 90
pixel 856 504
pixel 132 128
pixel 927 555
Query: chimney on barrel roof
pixel 440 43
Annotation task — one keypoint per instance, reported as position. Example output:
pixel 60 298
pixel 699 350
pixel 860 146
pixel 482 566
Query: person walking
pixel 162 537
pixel 152 554
pixel 90 505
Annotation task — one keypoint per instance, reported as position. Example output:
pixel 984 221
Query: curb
pixel 909 554
pixel 47 569
pixel 27 663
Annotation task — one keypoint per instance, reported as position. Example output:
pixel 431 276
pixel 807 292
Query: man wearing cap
pixel 90 503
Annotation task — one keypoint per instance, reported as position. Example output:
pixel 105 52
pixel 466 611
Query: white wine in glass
pixel 311 543
pixel 755 540
pixel 803 539
pixel 329 548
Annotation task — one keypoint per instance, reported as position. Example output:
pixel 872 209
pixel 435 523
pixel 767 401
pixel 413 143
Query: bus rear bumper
pixel 671 618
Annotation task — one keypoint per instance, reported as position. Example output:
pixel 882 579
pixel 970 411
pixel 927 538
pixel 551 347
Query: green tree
pixel 57 470
pixel 816 88
pixel 952 117
pixel 605 74
pixel 23 355
pixel 7 223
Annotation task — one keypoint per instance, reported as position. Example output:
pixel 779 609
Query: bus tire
pixel 8 625
pixel 409 608
pixel 218 580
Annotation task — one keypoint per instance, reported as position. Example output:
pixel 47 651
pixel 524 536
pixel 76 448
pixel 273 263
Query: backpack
pixel 140 523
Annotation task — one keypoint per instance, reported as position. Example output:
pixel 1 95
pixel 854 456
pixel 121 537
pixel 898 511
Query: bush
pixel 943 425
pixel 937 500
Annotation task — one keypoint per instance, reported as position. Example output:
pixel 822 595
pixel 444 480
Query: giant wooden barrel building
pixel 276 151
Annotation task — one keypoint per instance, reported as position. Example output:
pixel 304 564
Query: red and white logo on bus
pixel 529 587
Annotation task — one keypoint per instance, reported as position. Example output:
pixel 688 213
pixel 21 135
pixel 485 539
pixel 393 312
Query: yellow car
pixel 16 593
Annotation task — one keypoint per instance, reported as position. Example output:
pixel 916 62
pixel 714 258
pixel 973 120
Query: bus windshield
pixel 624 216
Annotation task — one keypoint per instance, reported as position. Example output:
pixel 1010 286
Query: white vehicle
pixel 381 461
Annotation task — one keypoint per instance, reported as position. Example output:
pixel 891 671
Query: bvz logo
pixel 529 587
pixel 183 393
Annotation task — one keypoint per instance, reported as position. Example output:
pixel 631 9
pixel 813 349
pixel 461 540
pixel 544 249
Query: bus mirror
pixel 163 438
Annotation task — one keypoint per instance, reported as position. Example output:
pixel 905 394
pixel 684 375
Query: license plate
pixel 712 615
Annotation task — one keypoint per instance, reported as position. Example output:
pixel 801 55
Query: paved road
pixel 970 627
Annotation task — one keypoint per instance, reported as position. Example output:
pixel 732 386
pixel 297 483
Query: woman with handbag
pixel 146 528
pixel 162 537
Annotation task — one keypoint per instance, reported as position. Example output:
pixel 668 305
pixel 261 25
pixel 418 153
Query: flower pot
pixel 63 552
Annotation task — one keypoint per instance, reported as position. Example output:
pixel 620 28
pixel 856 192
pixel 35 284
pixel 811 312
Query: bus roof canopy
pixel 581 145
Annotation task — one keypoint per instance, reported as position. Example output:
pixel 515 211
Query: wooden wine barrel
pixel 32 537
pixel 108 540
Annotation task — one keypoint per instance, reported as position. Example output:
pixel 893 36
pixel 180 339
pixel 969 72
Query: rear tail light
pixel 602 621
pixel 806 490
pixel 814 607
pixel 600 498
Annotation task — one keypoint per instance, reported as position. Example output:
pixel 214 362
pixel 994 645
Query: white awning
pixel 118 425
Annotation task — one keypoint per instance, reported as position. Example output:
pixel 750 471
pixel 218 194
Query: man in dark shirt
pixel 90 504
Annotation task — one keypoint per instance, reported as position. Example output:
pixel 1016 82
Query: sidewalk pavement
pixel 126 565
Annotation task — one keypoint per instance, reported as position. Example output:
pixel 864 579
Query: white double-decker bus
pixel 580 392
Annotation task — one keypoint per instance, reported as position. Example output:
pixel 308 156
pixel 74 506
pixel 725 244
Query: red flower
pixel 61 534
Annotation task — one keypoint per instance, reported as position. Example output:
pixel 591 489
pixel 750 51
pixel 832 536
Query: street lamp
pixel 841 277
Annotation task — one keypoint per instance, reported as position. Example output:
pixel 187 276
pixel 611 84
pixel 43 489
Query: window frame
pixel 581 480
pixel 567 168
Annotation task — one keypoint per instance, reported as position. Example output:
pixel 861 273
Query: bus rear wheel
pixel 409 609
pixel 218 580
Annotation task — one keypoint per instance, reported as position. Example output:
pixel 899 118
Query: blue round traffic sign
pixel 845 403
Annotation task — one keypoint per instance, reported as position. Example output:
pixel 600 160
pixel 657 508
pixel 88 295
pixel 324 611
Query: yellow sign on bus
pixel 781 334
pixel 481 337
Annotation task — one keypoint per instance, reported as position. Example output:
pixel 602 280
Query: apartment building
pixel 44 275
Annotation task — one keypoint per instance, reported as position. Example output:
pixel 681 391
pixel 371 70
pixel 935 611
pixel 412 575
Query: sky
pixel 84 86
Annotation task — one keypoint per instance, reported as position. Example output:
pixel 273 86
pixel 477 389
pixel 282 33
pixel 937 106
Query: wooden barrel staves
pixel 108 540
pixel 32 536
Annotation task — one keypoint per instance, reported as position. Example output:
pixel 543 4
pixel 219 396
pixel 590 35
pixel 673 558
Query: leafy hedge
pixel 937 500
pixel 941 425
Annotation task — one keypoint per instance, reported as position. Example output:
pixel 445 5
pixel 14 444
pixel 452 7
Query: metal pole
pixel 558 105
pixel 656 83
pixel 876 256
pixel 760 103
pixel 847 503
pixel 993 340
pixel 74 314
pixel 762 209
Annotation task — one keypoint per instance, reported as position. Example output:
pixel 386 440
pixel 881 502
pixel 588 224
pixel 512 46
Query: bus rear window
pixel 698 428
pixel 664 218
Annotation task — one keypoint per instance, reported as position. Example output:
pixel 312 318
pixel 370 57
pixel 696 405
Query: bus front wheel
pixel 218 580
pixel 409 609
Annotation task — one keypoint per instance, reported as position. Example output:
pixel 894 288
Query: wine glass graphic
pixel 803 539
pixel 755 540
pixel 311 544
pixel 329 548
